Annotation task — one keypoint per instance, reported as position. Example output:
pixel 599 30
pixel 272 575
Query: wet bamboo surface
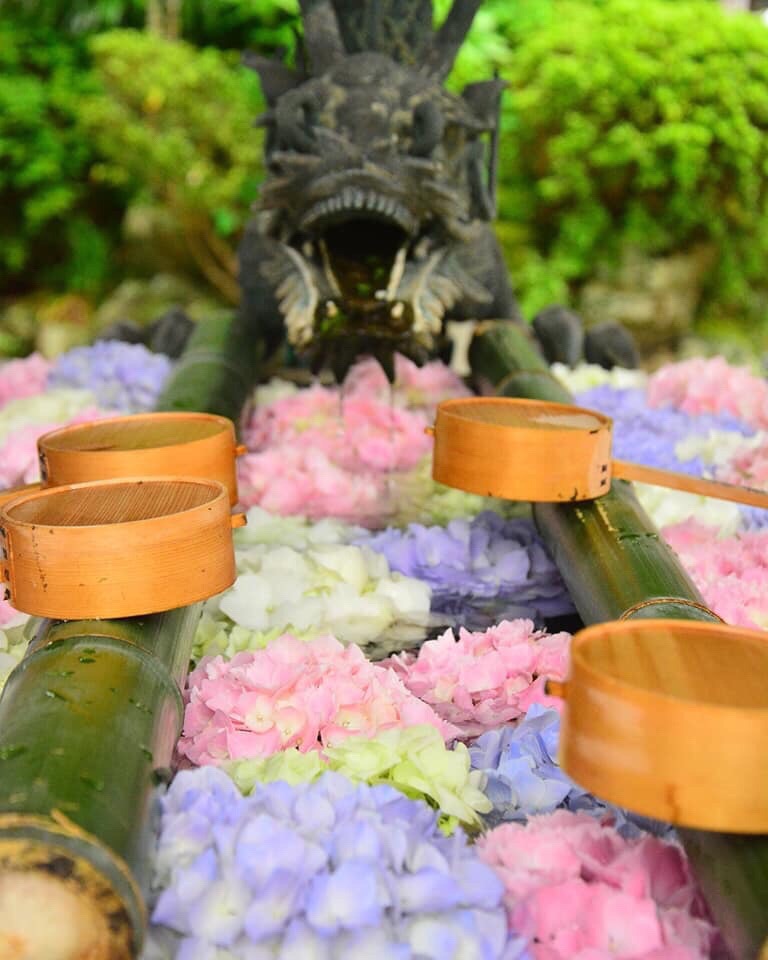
pixel 88 724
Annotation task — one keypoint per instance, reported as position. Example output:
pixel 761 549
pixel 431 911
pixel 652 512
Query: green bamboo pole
pixel 88 723
pixel 216 371
pixel 616 566
pixel 732 871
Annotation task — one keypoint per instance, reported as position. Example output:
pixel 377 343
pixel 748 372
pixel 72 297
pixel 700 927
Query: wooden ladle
pixel 545 452
pixel 669 718
pixel 142 445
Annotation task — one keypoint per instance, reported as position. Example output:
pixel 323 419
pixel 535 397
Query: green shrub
pixel 640 124
pixel 264 25
pixel 176 124
pixel 56 225
pixel 227 24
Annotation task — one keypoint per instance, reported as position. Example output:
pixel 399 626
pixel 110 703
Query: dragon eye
pixel 428 126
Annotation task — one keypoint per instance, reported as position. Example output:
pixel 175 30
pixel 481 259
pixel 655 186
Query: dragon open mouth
pixel 362 273
pixel 363 260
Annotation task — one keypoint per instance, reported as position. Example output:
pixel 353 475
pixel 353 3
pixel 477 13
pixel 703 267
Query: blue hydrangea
pixel 320 870
pixel 123 376
pixel 649 435
pixel 481 570
pixel 523 777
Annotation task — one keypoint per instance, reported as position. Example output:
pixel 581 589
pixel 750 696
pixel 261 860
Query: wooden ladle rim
pixel 605 679
pixel 216 488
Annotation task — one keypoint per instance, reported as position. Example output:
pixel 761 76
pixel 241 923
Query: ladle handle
pixel 626 470
pixel 12 492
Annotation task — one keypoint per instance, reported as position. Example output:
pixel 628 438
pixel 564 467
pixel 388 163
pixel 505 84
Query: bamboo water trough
pixel 80 760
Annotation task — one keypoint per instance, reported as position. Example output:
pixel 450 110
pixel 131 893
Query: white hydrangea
pixel 53 406
pixel 718 448
pixel 274 390
pixel 13 645
pixel 311 585
pixel 667 507
pixel 585 376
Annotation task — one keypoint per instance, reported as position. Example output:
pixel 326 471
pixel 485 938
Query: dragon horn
pixel 322 37
pixel 450 36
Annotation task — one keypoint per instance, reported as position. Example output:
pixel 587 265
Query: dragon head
pixel 376 176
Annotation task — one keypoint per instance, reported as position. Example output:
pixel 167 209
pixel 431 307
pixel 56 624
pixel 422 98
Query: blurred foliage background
pixel 633 175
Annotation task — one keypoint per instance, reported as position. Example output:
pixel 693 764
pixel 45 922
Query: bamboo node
pixel 629 613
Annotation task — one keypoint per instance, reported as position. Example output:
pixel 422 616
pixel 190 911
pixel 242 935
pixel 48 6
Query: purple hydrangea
pixel 523 777
pixel 755 518
pixel 321 870
pixel 649 435
pixel 123 376
pixel 480 570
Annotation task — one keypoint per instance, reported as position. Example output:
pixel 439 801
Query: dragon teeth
pixel 353 199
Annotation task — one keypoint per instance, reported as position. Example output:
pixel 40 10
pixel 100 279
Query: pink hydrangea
pixel 322 453
pixel 301 479
pixel 23 378
pixel 730 572
pixel 576 890
pixel 483 680
pixel 358 432
pixel 9 615
pixel 702 385
pixel 293 694
pixel 413 387
pixel 18 455
pixel 749 467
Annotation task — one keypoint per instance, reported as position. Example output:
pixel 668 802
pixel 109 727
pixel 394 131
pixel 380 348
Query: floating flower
pixel 19 460
pixel 479 681
pixel 652 436
pixel 522 776
pixel 745 463
pixel 669 507
pixel 298 478
pixel 356 432
pixel 123 376
pixel 273 529
pixel 711 385
pixel 730 571
pixel 13 642
pixel 585 376
pixel 414 387
pixel 324 588
pixel 467 563
pixel 23 378
pixel 414 760
pixel 329 451
pixel 309 695
pixel 577 890
pixel 417 498
pixel 52 407
pixel 320 870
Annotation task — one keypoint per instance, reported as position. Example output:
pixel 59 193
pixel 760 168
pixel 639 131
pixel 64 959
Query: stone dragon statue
pixel 373 226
